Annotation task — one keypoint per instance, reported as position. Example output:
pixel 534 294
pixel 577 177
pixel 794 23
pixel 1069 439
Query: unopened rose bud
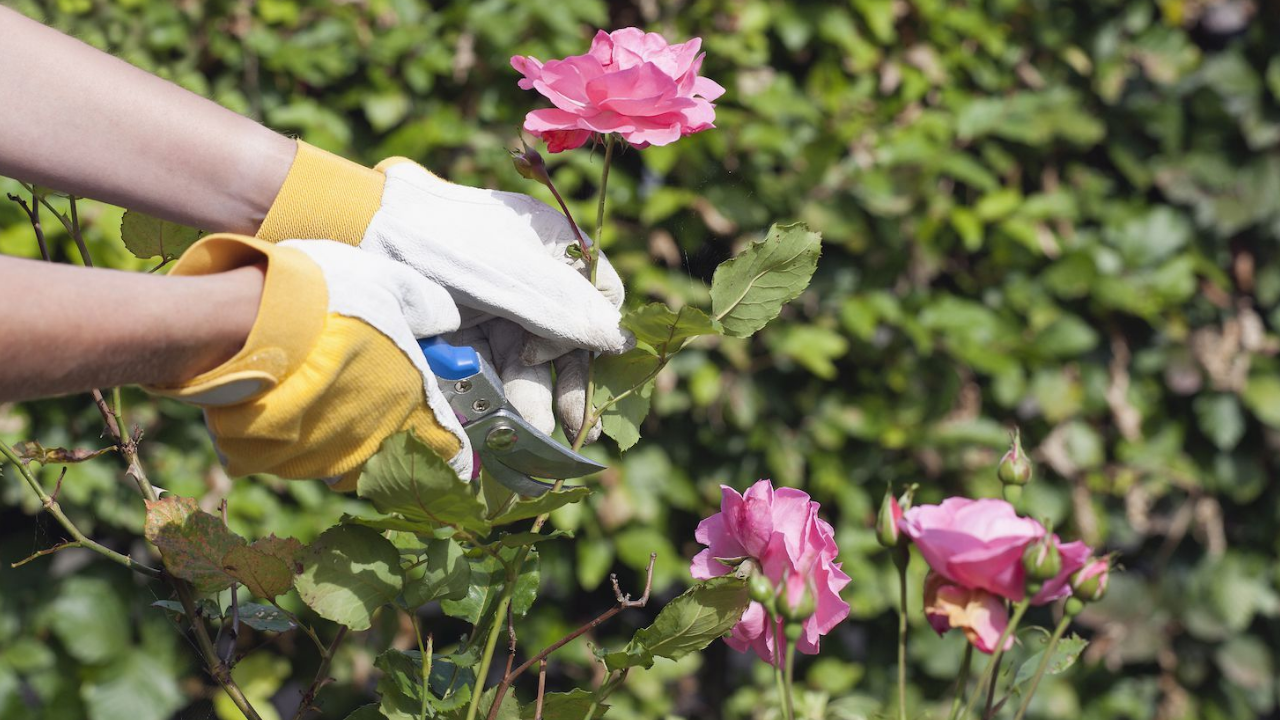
pixel 530 165
pixel 1015 466
pixel 800 610
pixel 887 520
pixel 760 589
pixel 1042 560
pixel 1090 582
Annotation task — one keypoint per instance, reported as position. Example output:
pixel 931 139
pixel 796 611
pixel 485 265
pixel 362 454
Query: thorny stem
pixel 1044 665
pixel 217 668
pixel 582 241
pixel 987 673
pixel 624 601
pixel 593 265
pixel 33 214
pixel 962 682
pixel 991 688
pixel 53 508
pixel 322 673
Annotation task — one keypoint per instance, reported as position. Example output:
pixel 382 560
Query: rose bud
pixel 887 520
pixel 1042 561
pixel 762 591
pixel 1090 582
pixel 530 165
pixel 1015 467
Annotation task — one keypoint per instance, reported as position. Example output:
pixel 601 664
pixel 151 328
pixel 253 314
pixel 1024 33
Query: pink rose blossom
pixel 630 82
pixel 779 529
pixel 979 544
pixel 981 615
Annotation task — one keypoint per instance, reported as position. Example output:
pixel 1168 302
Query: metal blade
pixel 503 438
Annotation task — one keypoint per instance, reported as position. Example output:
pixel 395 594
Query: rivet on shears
pixel 480 406
pixel 501 438
pixel 462 386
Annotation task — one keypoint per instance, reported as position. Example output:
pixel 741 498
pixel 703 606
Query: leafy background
pixel 1060 215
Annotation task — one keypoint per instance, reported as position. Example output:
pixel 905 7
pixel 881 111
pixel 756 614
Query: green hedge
pixel 1060 215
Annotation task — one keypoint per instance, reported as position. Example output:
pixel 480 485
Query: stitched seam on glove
pixel 324 196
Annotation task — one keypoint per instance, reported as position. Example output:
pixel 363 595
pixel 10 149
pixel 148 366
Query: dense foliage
pixel 1056 214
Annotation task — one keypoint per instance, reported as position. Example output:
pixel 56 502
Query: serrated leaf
pixel 348 573
pixel 1063 657
pixel 749 290
pixel 572 705
pixel 407 478
pixel 265 575
pixel 192 542
pixel 522 539
pixel 665 329
pixel 689 623
pixel 529 507
pixel 444 576
pixel 265 618
pixel 148 237
pixel 400 688
pixel 616 374
pixel 487 579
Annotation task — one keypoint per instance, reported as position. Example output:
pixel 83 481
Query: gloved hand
pixel 331 367
pixel 501 256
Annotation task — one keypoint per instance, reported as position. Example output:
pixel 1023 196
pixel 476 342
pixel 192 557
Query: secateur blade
pixel 516 454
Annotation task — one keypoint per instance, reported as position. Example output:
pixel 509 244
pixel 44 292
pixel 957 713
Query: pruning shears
pixel 516 454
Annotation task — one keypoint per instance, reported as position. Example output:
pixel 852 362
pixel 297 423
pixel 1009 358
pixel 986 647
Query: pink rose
pixel 1090 583
pixel 779 529
pixel 629 82
pixel 979 544
pixel 981 615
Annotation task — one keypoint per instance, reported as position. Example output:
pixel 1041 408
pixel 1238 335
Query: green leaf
pixel 487 579
pixel 266 567
pixel 523 539
pixel 191 541
pixel 1068 336
pixel 749 290
pixel 615 375
pixel 366 712
pixel 1262 396
pixel 1220 418
pixel 135 687
pixel 407 478
pixel 1063 657
pixel 148 237
pixel 348 573
pixel 400 688
pixel 265 618
pixel 572 705
pixel 813 347
pixel 445 575
pixel 529 507
pixel 90 620
pixel 595 557
pixel 687 624
pixel 665 329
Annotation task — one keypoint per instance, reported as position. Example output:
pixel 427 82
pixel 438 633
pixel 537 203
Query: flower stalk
pixel 988 673
pixel 1044 665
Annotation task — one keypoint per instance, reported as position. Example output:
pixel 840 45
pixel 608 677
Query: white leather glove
pixel 501 256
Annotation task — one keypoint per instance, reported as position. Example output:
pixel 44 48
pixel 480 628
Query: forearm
pixel 67 329
pixel 81 121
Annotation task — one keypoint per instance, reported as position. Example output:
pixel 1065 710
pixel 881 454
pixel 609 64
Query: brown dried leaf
pixel 33 451
pixel 191 541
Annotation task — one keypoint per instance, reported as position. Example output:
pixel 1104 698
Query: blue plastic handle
pixel 449 361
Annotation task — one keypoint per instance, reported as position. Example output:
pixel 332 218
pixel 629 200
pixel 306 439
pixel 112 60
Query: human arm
pixel 67 329
pixel 82 121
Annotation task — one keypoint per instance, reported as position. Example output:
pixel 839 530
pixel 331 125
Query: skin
pixel 95 126
pixel 61 337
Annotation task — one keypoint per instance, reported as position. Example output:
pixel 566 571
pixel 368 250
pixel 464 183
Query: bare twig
pixel 511 636
pixel 33 214
pixel 57 487
pixel 624 601
pixel 47 551
pixel 542 688
pixel 322 674
pixel 229 633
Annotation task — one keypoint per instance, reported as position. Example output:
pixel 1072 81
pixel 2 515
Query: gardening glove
pixel 331 367
pixel 500 255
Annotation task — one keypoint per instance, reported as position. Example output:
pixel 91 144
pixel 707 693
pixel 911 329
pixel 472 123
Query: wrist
pixel 230 302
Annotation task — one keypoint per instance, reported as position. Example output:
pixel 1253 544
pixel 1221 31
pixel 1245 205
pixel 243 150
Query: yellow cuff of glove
pixel 323 196
pixel 312 394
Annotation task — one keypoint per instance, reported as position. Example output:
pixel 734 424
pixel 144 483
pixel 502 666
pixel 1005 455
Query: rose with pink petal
pixel 979 614
pixel 793 547
pixel 979 544
pixel 630 82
